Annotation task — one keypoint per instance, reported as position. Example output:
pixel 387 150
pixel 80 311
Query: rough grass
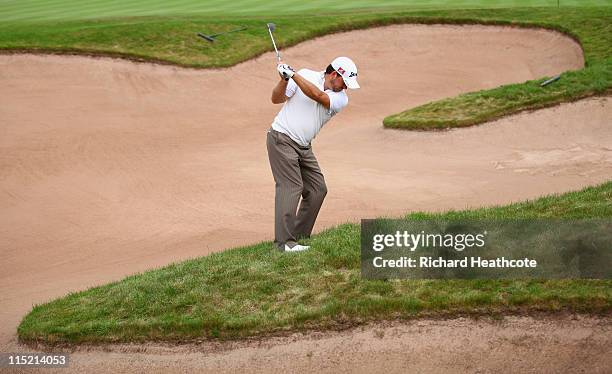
pixel 258 290
pixel 173 39
pixel 478 107
pixel 592 27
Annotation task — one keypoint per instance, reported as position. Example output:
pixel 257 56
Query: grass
pixel 171 39
pixel 479 107
pixel 45 10
pixel 256 290
pixel 591 27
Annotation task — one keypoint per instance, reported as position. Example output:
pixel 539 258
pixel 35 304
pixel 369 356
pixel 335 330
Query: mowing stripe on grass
pixel 44 10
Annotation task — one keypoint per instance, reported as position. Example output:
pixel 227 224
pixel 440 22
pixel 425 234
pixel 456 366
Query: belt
pixel 304 148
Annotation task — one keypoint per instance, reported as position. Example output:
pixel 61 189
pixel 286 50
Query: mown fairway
pixel 45 10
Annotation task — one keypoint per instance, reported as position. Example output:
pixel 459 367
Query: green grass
pixel 258 290
pixel 45 10
pixel 592 27
pixel 478 107
pixel 173 39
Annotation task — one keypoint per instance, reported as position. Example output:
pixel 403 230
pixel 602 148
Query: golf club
pixel 272 27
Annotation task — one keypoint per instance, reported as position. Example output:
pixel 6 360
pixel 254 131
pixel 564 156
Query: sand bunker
pixel 562 344
pixel 110 167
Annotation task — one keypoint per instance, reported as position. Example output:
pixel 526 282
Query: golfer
pixel 311 98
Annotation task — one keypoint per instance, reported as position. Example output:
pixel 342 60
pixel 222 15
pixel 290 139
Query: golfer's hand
pixel 285 71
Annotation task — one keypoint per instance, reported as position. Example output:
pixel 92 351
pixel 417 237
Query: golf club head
pixel 271 27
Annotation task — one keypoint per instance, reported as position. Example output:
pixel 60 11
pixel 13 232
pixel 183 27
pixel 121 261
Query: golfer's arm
pixel 278 93
pixel 311 90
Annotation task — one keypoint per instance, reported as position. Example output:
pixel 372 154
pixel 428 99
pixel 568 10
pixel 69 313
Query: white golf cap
pixel 347 69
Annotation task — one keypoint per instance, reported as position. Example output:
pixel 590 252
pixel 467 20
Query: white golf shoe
pixel 296 248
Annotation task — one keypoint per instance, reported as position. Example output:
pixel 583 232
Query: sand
pixel 109 167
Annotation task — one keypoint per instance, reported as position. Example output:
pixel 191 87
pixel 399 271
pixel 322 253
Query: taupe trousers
pixel 296 174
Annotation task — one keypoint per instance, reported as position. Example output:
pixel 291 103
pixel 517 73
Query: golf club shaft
pixel 274 43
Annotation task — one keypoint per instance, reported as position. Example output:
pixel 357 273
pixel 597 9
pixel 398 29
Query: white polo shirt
pixel 301 118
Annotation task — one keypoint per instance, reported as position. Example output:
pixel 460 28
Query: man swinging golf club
pixel 310 99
